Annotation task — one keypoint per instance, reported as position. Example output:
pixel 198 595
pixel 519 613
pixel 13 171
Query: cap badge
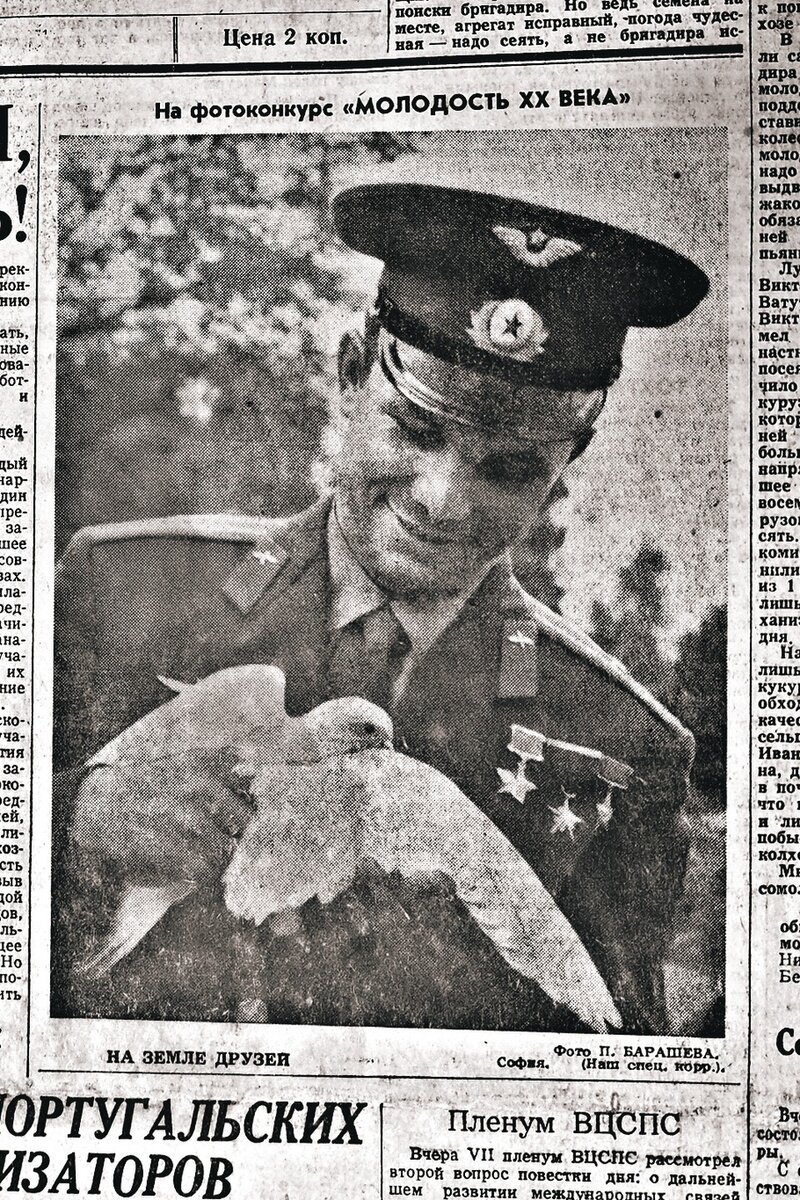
pixel 510 328
pixel 534 247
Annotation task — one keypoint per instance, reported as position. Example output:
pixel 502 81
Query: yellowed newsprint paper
pixel 399 599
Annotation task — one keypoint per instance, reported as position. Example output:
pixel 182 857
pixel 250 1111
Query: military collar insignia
pixel 534 247
pixel 518 678
pixel 265 554
pixel 281 555
pixel 245 586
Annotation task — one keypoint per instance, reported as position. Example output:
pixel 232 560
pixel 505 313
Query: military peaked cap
pixel 531 297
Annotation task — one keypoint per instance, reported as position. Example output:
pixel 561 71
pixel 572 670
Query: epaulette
pixel 280 546
pixel 229 527
pixel 575 639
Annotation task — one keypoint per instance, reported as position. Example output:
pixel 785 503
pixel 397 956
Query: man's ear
pixel 353 368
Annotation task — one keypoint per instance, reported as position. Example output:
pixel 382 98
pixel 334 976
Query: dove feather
pixel 424 823
pixel 249 696
pixel 241 710
pixel 537 940
pixel 140 908
pixel 409 818
pixel 175 685
pixel 304 840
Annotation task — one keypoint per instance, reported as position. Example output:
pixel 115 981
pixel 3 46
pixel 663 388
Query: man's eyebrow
pixel 527 465
pixel 517 449
pixel 530 453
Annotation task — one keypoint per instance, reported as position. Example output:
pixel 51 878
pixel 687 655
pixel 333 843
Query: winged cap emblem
pixel 534 247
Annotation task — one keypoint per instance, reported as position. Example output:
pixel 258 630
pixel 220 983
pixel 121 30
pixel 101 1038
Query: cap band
pixel 483 403
pixel 566 369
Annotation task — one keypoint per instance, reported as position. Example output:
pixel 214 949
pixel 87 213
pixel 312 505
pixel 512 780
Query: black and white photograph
pixel 389 679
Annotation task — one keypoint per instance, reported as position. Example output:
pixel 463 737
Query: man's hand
pixel 160 821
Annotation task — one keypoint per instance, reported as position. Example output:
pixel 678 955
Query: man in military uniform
pixel 499 328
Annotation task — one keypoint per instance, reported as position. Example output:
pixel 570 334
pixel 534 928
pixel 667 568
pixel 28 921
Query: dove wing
pixel 303 841
pixel 140 908
pixel 418 821
pixel 224 711
pixel 208 714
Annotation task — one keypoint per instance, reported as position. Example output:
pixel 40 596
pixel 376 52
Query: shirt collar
pixel 354 595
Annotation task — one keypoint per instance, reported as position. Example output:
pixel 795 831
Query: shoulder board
pixel 229 527
pixel 280 546
pixel 247 582
pixel 577 640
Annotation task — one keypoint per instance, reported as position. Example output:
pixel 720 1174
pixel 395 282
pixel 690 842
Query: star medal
pixel 564 819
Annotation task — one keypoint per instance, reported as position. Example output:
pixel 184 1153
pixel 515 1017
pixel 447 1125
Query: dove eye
pixel 368 729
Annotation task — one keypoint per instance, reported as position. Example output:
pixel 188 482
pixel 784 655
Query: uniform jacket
pixel 185 596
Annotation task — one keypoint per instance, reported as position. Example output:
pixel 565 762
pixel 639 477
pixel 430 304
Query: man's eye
pixel 426 436
pixel 513 470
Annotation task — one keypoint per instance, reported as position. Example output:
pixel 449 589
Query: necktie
pixel 367 657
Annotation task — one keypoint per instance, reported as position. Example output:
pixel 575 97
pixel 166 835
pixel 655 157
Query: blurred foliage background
pixel 202 295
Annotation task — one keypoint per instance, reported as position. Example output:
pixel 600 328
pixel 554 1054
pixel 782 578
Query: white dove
pixel 237 714
pixel 331 795
pixel 313 828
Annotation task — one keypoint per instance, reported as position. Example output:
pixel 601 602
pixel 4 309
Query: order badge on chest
pixel 567 795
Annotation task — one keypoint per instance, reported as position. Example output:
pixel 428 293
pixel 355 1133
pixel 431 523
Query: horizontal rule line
pixel 118 16
pixel 421 1078
pixel 438 62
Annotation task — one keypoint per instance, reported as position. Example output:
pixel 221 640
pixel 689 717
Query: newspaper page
pixel 399 768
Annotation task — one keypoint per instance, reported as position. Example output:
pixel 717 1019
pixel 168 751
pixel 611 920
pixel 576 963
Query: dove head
pixel 344 726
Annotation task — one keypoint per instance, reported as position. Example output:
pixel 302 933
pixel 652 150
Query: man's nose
pixel 442 486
